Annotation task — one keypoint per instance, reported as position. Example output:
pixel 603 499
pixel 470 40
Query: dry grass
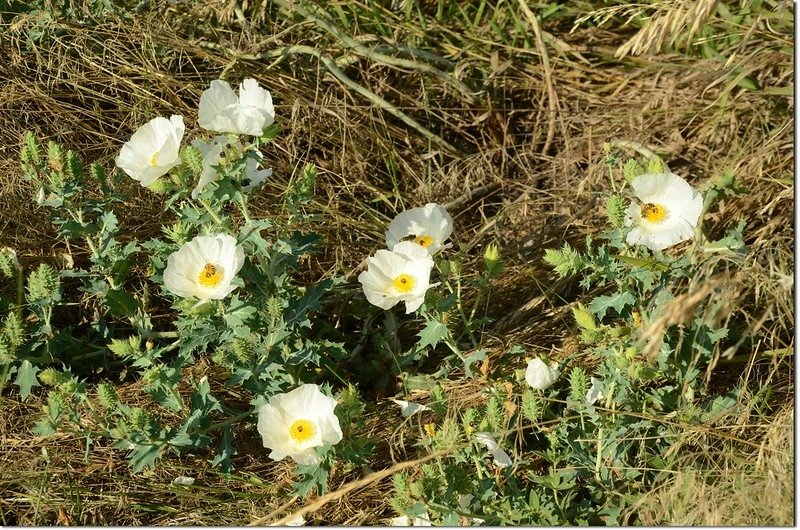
pixel 90 86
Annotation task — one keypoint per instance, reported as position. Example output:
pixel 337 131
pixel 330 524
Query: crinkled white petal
pixel 305 402
pixel 540 376
pixel 501 458
pixel 152 150
pixel 595 392
pixel 408 408
pixel 431 220
pixel 181 277
pixel 212 153
pixel 222 111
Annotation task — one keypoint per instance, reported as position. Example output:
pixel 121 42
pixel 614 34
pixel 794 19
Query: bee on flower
pixel 294 423
pixel 668 214
pixel 204 267
pixel 221 110
pixel 153 150
pixel 399 275
pixel 429 226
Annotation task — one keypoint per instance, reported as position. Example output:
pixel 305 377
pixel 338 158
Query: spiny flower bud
pixel 632 169
pixel 31 154
pixel 74 167
pixel 52 377
pixel 107 395
pixel 43 284
pixel 615 210
pixel 13 329
pixel 97 173
pixel 193 159
pixel 242 349
pixel 491 256
pixel 8 262
pixel 160 186
pixel 7 350
pixel 139 418
pixel 55 156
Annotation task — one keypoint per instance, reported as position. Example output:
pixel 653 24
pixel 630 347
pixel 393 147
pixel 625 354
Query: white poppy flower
pixel 407 408
pixel 204 267
pixel 153 149
pixel 222 111
pixel 540 376
pixel 429 226
pixel 595 392
pixel 501 458
pixel 400 275
pixel 294 423
pixel 669 213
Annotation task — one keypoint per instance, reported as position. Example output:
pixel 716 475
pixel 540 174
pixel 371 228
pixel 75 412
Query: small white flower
pixel 294 423
pixel 183 481
pixel 407 408
pixel 422 520
pixel 399 275
pixel 669 213
pixel 297 521
pixel 429 226
pixel 204 267
pixel 501 458
pixel 222 111
pixel 540 376
pixel 595 392
pixel 153 149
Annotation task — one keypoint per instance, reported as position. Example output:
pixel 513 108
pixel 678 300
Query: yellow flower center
pixel 301 431
pixel 154 159
pixel 430 429
pixel 404 283
pixel 210 276
pixel 424 240
pixel 654 213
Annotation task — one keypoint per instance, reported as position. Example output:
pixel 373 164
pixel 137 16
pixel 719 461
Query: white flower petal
pixel 431 222
pixel 407 408
pixel 152 150
pixel 305 403
pixel 682 203
pixel 540 376
pixel 182 274
pixel 183 481
pixel 221 111
pixel 595 392
pixel 501 458
pixel 386 266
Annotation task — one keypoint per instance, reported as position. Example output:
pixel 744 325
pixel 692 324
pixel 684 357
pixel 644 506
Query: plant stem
pixel 210 211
